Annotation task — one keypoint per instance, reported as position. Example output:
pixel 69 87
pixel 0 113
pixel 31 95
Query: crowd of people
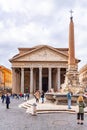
pixel 5 98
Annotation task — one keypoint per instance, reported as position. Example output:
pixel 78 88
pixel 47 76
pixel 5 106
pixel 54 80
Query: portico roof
pixel 28 51
pixel 44 52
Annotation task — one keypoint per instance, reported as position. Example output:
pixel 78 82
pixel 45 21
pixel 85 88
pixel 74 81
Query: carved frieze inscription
pixel 35 65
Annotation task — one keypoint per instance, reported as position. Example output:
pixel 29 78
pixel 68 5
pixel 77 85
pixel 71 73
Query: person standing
pixel 69 99
pixel 37 95
pixel 42 96
pixel 28 96
pixel 7 101
pixel 81 105
pixel 3 98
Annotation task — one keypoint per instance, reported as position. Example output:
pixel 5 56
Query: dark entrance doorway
pixel 45 84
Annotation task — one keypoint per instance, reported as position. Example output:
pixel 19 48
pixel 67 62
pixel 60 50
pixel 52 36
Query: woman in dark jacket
pixel 7 101
pixel 81 106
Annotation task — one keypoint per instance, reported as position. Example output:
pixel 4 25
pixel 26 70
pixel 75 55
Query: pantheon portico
pixel 41 67
pixel 44 67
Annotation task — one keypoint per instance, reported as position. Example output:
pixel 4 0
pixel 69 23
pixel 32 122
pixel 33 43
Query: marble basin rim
pixel 61 98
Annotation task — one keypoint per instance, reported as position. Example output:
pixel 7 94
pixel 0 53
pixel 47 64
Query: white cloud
pixel 1 25
pixel 11 5
pixel 23 33
pixel 28 6
pixel 31 22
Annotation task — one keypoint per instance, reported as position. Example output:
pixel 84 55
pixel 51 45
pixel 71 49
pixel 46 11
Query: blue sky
pixel 27 23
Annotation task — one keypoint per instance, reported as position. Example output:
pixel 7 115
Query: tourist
pixel 7 101
pixel 42 96
pixel 37 95
pixel 69 99
pixel 3 98
pixel 81 105
pixel 21 95
pixel 17 97
pixel 28 95
pixel 24 96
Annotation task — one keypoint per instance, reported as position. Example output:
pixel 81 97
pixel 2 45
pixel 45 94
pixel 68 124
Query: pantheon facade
pixel 41 67
pixel 45 68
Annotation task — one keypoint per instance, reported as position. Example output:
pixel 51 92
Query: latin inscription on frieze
pixel 35 65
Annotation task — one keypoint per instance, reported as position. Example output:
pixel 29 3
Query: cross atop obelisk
pixel 71 13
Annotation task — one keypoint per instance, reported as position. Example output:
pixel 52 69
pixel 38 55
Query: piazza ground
pixel 16 118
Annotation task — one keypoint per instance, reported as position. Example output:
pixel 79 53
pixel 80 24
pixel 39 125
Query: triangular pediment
pixel 44 53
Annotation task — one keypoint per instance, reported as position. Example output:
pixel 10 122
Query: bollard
pixel 34 109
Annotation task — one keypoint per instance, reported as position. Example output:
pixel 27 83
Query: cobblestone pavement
pixel 16 118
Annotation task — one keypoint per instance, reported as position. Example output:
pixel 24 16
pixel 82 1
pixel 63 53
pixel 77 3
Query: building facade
pixel 41 67
pixel 83 76
pixel 5 78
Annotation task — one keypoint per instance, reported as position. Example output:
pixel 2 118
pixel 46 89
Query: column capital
pixel 49 68
pixel 31 68
pixel 58 69
pixel 40 68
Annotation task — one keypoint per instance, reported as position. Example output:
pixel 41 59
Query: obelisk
pixel 71 59
pixel 72 75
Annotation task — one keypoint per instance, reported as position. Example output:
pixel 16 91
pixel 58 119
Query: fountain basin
pixel 61 98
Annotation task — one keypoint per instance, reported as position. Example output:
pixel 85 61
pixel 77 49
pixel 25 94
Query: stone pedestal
pixel 72 80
